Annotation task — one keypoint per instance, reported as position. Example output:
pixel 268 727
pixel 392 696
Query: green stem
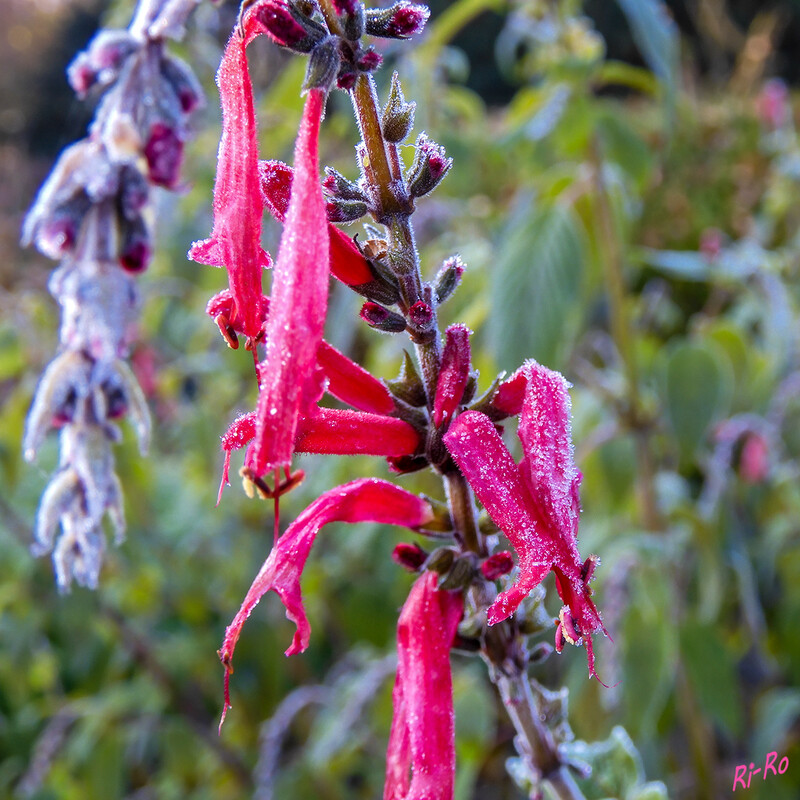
pixel 624 335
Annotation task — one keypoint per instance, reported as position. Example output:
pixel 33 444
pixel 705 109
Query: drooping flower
pixel 535 503
pixel 235 242
pixel 363 500
pixel 299 301
pixel 422 737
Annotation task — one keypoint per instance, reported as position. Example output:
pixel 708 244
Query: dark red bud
pixel 346 80
pixel 369 60
pixel 136 256
pixel 163 151
pixel 382 319
pixel 280 25
pixel 135 251
pixel 116 402
pixel 420 314
pixel 409 556
pixel 448 278
pixel 497 565
pixel 399 21
pixel 408 20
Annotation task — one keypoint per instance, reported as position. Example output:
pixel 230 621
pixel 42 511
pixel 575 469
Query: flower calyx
pixel 430 166
pixel 397 119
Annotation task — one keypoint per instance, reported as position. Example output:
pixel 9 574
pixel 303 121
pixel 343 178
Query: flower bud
pixel 382 319
pixel 345 210
pixel 324 64
pixel 54 235
pixel 420 314
pixel 398 116
pixel 135 250
pixel 497 565
pixel 337 185
pixel 183 82
pixel 288 27
pixel 369 60
pixel 448 278
pixel 409 556
pixel 346 79
pixel 399 21
pixel 430 166
pixel 163 151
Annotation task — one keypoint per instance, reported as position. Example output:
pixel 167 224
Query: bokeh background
pixel 625 194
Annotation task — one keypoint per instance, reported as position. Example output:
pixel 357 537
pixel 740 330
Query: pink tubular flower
pixel 535 503
pixel 299 301
pixel 235 242
pixel 364 500
pixel 422 735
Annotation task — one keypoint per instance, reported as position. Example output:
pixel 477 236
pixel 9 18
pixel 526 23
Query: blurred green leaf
pixel 698 387
pixel 712 673
pixel 535 282
pixel 656 35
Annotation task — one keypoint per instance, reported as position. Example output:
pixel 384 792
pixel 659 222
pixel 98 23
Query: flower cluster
pixel 92 214
pixel 427 417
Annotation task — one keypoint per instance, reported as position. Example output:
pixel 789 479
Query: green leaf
pixel 656 36
pixel 712 673
pixel 698 390
pixel 776 713
pixel 534 287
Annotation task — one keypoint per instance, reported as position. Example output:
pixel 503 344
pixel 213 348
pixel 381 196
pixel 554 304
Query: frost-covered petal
pixel 422 736
pixel 364 500
pixel 489 468
pixel 299 302
pixel 351 383
pixel 343 432
pixel 547 463
pixel 235 242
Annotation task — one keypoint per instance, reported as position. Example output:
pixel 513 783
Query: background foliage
pixel 628 216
